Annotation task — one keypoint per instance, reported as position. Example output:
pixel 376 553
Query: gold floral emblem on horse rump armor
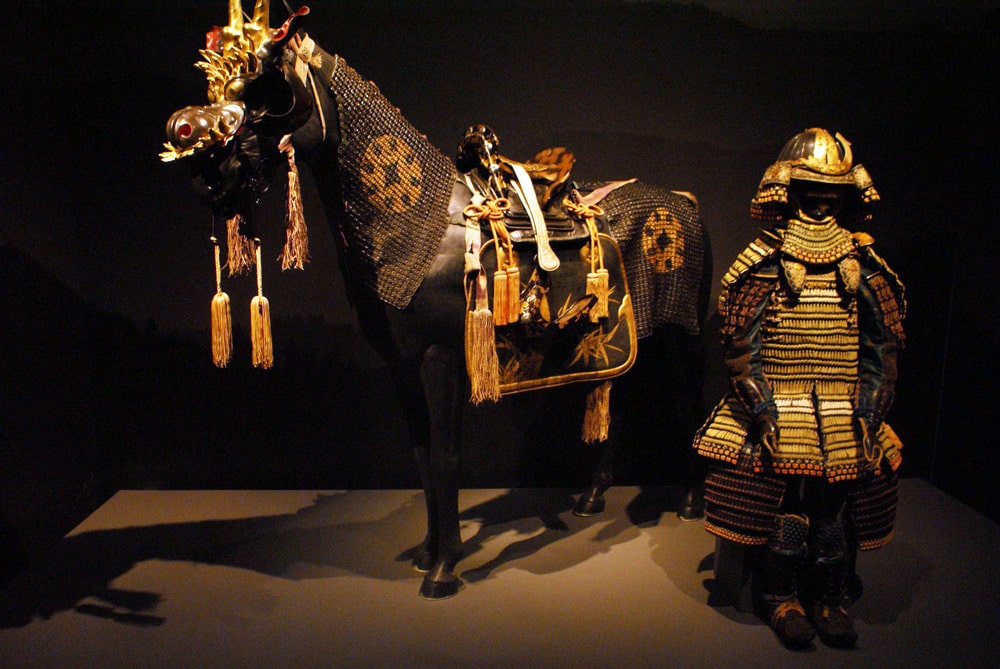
pixel 663 241
pixel 391 174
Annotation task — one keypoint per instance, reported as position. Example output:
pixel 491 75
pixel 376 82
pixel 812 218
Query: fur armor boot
pixel 782 565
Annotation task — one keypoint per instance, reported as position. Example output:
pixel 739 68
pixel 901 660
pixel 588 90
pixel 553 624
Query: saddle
pixel 549 275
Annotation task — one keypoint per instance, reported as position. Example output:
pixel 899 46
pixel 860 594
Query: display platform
pixel 320 579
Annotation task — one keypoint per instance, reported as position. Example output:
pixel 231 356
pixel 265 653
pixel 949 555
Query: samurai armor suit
pixel 812 315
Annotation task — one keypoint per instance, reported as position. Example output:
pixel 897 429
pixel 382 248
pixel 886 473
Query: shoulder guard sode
pixel 749 280
pixel 749 259
pixel 887 287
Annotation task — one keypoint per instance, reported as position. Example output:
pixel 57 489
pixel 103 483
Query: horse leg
pixel 591 502
pixel 441 377
pixel 427 554
pixel 429 466
pixel 413 403
pixel 692 506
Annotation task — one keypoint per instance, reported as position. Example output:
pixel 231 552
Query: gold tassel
pixel 481 360
pixel 500 299
pixel 222 330
pixel 513 294
pixel 597 285
pixel 296 252
pixel 222 320
pixel 481 356
pixel 240 253
pixel 597 419
pixel 597 278
pixel 260 322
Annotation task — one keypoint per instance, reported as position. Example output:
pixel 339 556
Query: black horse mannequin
pixel 421 335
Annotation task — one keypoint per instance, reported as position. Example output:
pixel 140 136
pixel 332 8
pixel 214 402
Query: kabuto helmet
pixel 814 155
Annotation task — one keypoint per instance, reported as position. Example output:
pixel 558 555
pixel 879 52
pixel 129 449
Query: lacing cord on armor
pixel 786 607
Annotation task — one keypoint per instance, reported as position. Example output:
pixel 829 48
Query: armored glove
pixel 869 415
pixel 756 396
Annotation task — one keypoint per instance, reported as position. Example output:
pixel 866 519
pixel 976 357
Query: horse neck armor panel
pixel 396 188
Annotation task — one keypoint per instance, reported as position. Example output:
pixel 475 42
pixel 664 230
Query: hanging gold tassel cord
pixel 481 357
pixel 296 252
pixel 239 247
pixel 598 278
pixel 480 344
pixel 222 319
pixel 513 277
pixel 260 321
pixel 506 278
pixel 500 299
pixel 481 361
pixel 513 291
pixel 597 419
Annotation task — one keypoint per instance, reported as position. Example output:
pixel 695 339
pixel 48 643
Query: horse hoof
pixel 588 506
pixel 423 562
pixel 692 507
pixel 441 588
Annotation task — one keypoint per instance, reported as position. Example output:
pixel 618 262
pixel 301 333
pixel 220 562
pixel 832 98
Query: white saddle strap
pixel 547 258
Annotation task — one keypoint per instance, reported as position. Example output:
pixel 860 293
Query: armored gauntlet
pixel 870 413
pixel 757 397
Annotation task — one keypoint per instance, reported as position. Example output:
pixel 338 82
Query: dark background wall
pixel 106 272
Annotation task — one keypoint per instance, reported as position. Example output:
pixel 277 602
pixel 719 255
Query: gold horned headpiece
pixel 230 51
pixel 812 155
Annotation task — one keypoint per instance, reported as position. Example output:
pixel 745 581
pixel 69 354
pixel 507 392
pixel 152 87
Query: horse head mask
pixel 254 98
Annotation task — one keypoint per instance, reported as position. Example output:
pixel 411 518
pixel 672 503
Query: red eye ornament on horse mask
pixel 253 93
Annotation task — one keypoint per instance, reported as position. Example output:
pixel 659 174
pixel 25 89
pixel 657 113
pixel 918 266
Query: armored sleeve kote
pixel 881 309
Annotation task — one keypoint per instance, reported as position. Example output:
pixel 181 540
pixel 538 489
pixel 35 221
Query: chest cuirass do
pixel 809 352
pixel 809 341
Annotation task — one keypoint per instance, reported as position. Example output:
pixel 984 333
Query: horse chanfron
pixel 253 94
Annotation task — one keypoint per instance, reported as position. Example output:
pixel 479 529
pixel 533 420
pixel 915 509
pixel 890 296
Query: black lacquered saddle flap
pixel 554 342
